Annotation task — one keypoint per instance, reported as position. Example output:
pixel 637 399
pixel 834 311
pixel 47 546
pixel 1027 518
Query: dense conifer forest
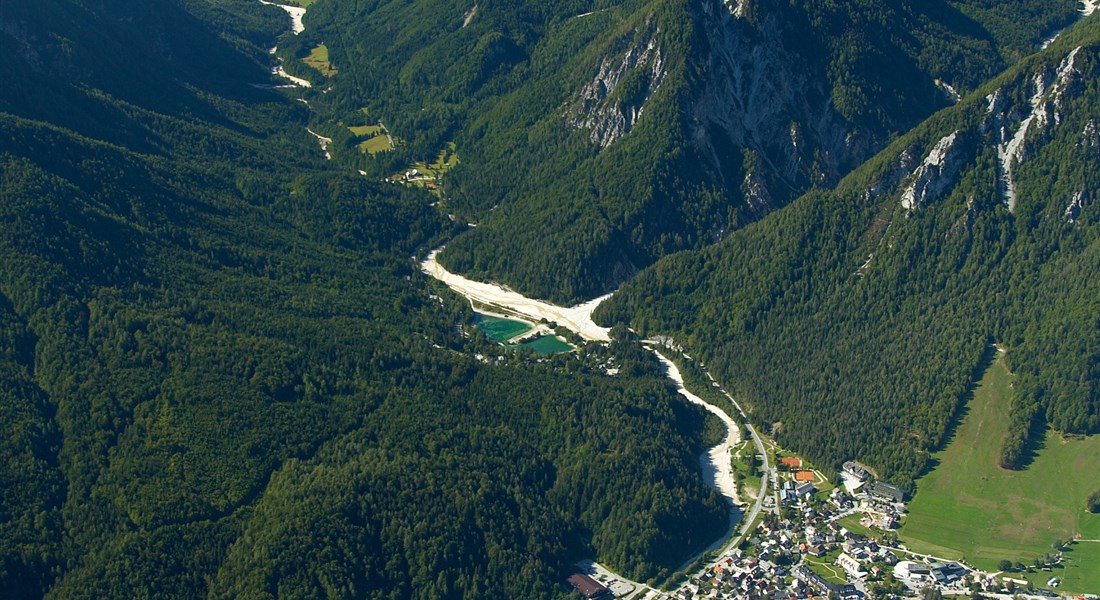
pixel 879 314
pixel 222 375
pixel 600 136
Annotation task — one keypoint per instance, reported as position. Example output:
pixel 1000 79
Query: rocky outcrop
pixel 612 102
pixel 1080 200
pixel 763 97
pixel 1013 130
pixel 1090 137
pixel 935 175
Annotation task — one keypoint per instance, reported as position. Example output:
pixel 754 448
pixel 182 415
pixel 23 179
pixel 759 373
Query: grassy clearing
pixel 851 523
pixel 446 159
pixel 825 567
pixel 1078 570
pixel 376 144
pixel 374 137
pixel 746 476
pixel 968 507
pixel 427 175
pixel 365 130
pixel 318 59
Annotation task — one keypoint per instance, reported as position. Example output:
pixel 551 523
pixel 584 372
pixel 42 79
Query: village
pixel 812 543
pixel 802 534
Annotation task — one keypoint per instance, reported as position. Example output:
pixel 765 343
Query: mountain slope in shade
pixel 222 376
pixel 876 303
pixel 597 137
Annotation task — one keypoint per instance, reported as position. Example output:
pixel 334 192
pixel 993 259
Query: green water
pixel 547 344
pixel 501 330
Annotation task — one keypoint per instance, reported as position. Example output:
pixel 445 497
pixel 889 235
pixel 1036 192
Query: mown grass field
pixel 968 507
pixel 365 130
pixel 827 568
pixel 318 59
pixel 851 523
pixel 374 145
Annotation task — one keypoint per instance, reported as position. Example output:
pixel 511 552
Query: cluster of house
pixel 935 573
pixel 792 491
pixel 776 566
pixel 786 557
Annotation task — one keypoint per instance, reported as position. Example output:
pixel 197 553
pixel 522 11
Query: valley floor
pixel 967 509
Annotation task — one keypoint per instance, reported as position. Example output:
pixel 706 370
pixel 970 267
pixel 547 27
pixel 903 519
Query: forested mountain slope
pixel 596 137
pixel 222 376
pixel 874 304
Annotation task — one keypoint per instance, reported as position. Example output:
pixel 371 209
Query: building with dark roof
pixel 588 587
pixel 856 470
pixel 887 492
pixel 819 583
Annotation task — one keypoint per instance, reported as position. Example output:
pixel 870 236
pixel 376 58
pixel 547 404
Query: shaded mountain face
pixel 221 375
pixel 878 302
pixel 597 137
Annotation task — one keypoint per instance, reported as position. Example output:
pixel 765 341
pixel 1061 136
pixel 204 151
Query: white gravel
pixel 716 461
pixel 296 13
pixel 577 318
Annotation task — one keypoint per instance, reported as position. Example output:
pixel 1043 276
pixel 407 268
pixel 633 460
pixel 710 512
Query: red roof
pixel 587 586
pixel 791 461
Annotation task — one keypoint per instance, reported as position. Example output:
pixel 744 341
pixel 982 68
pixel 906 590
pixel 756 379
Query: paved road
pixel 766 471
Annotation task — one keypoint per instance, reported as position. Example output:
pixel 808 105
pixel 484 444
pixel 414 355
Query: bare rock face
pixel 755 191
pixel 1015 129
pixel 612 102
pixel 935 175
pixel 761 97
pixel 1079 201
pixel 1090 136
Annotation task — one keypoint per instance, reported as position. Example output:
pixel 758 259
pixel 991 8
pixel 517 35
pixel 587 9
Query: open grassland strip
pixel 365 130
pixel 851 523
pixel 968 507
pixel 824 566
pixel 376 144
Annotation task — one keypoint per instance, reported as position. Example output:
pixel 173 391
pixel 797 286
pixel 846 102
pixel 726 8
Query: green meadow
pixel 826 567
pixel 318 59
pixel 365 130
pixel 851 523
pixel 429 174
pixel 376 144
pixel 969 508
